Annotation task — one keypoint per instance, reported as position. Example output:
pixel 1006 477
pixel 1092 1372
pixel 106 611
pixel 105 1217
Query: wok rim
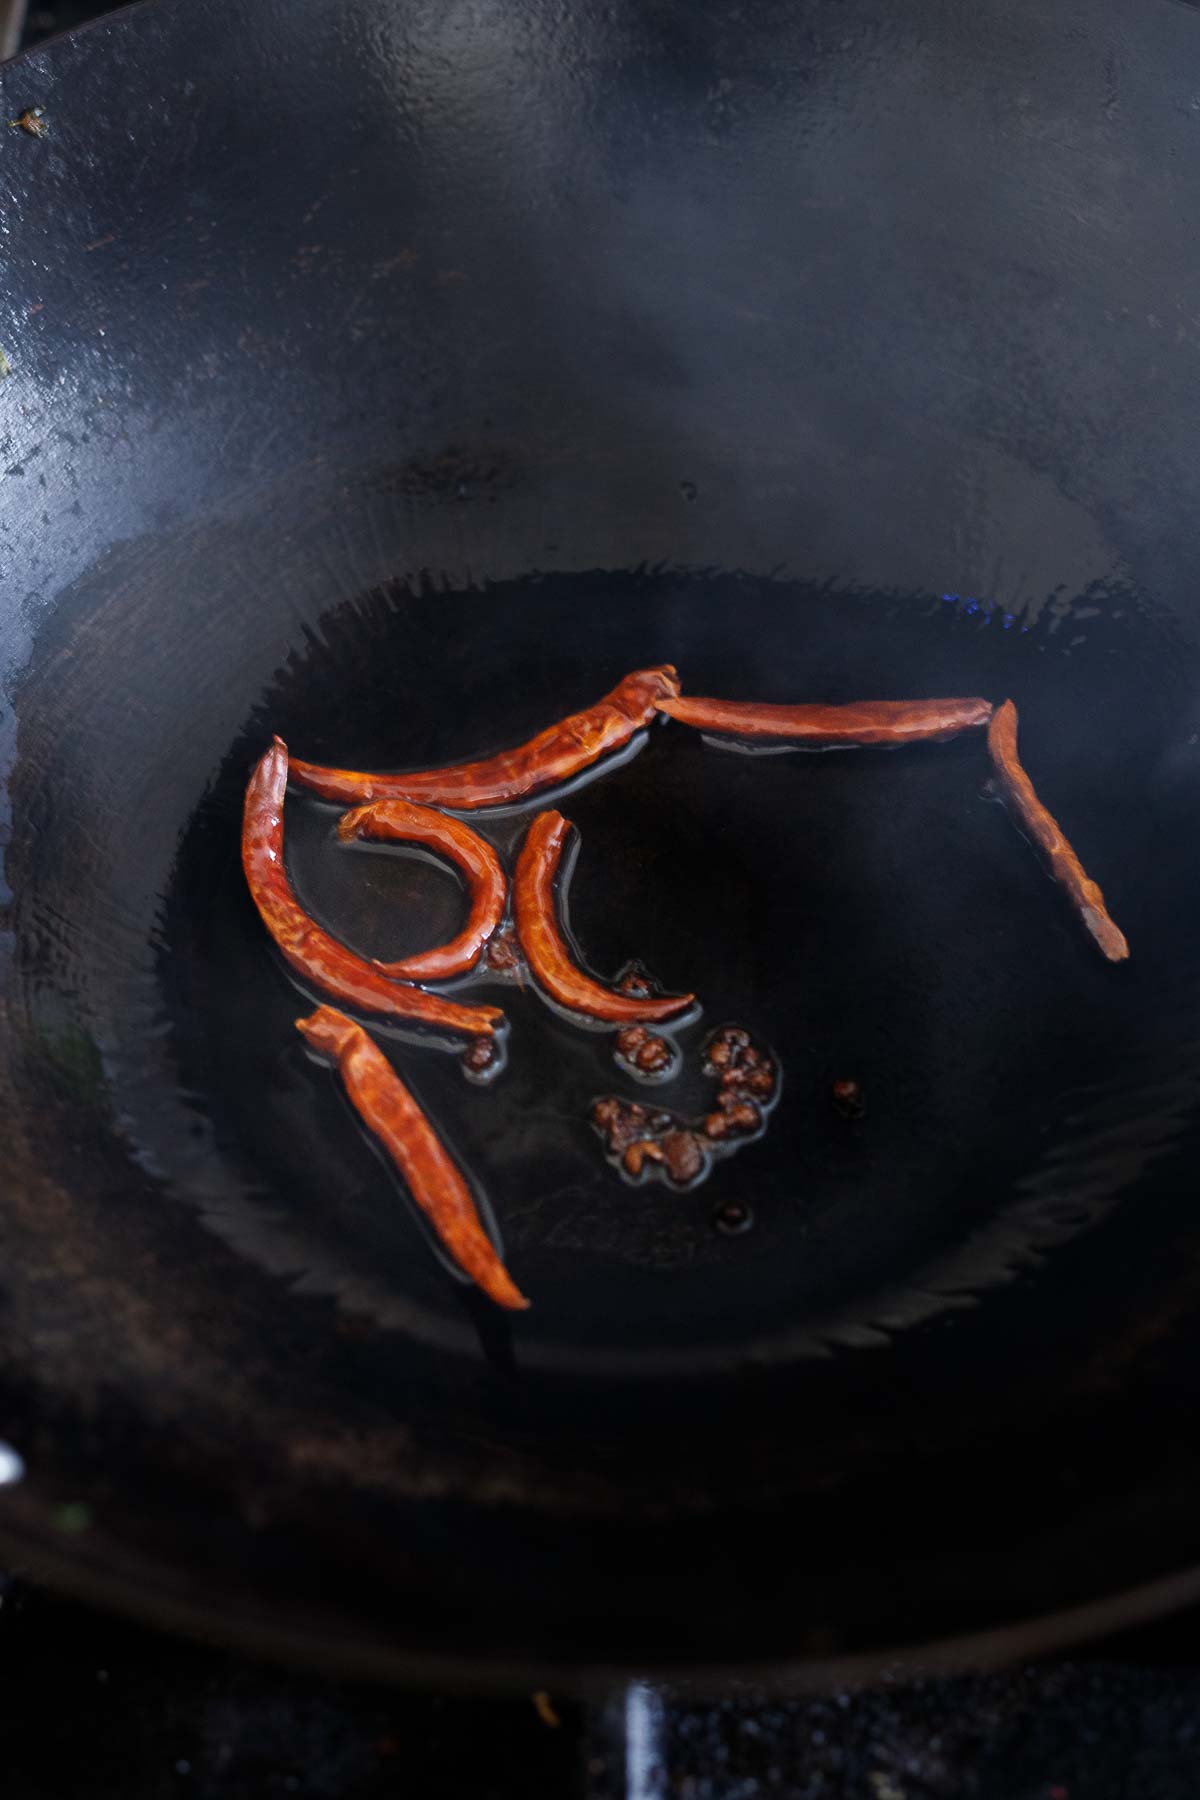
pixel 305 1645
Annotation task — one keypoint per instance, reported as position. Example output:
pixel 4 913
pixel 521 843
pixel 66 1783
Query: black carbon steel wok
pixel 396 377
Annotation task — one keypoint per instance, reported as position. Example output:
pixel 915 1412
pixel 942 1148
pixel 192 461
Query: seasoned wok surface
pixel 408 467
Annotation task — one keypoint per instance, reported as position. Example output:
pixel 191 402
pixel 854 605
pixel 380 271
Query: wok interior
pixel 871 913
pixel 637 306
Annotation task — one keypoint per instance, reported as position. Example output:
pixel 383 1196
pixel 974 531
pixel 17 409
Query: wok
pixel 396 377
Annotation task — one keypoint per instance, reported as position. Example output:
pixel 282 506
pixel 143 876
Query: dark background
pixel 96 1709
pixel 93 1707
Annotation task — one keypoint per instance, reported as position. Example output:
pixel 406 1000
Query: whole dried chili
pixel 1048 835
pixel 315 955
pixel 434 1180
pixel 862 722
pixel 550 758
pixel 400 821
pixel 542 941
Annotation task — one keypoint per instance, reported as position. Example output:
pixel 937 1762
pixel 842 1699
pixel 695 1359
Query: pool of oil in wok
pixel 873 916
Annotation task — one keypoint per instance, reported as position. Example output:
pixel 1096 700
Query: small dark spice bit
pixel 502 952
pixel 848 1098
pixel 480 1054
pixel 732 1217
pixel 634 980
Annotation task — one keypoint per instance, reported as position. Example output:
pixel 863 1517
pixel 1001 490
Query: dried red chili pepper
pixel 400 821
pixel 825 727
pixel 552 757
pixel 545 950
pixel 434 1180
pixel 315 955
pixel 1049 837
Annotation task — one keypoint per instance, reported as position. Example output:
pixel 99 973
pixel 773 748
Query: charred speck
pixel 732 1217
pixel 848 1099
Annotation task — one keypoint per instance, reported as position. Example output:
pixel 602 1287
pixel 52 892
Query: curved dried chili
pixel 546 952
pixel 312 952
pixel 401 821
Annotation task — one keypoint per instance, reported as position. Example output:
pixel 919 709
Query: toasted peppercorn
pixel 678 1150
pixel 685 1159
pixel 644 1151
pixel 724 1047
pixel 654 1056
